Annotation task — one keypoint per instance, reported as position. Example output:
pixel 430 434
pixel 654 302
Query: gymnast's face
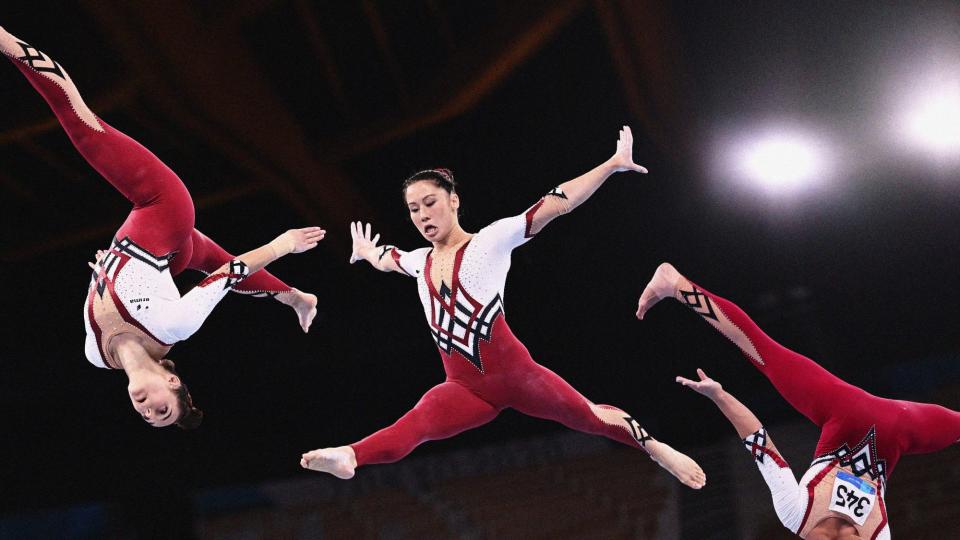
pixel 832 535
pixel 432 209
pixel 154 398
pixel 833 528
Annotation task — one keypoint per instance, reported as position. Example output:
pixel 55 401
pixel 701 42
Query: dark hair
pixel 190 416
pixel 442 178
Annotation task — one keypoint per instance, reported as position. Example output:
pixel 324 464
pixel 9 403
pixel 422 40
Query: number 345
pixel 848 498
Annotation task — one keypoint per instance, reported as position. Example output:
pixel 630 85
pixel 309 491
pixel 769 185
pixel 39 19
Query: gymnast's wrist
pixel 609 167
pixel 282 245
pixel 720 397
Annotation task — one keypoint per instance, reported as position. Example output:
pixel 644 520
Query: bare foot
pixel 685 469
pixel 662 285
pixel 340 462
pixel 305 304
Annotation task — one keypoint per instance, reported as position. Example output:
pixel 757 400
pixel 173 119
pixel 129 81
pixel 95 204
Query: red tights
pixel 162 218
pixel 845 413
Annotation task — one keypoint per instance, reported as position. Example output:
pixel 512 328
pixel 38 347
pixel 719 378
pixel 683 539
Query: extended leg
pixel 925 427
pixel 444 411
pixel 163 216
pixel 809 388
pixel 540 392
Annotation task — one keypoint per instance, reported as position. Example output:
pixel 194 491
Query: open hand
pixel 361 240
pixel 304 239
pixel 95 265
pixel 622 159
pixel 705 386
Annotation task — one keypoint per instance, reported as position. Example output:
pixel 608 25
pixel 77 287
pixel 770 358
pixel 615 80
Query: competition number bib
pixel 852 496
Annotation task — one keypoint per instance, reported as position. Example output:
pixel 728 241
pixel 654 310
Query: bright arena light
pixel 781 162
pixel 932 120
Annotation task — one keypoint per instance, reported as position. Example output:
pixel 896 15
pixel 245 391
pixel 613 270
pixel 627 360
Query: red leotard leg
pixel 207 256
pixel 444 411
pixel 538 391
pixel 809 388
pixel 843 411
pixel 163 213
pixel 926 428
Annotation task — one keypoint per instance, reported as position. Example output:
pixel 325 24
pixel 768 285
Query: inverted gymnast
pixel 133 312
pixel 461 281
pixel 841 496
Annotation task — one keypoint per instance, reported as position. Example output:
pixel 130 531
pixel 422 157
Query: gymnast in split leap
pixel 461 280
pixel 133 312
pixel 841 496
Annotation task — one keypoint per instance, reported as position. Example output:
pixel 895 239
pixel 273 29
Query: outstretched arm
pixel 743 420
pixel 183 316
pixel 385 258
pixel 789 501
pixel 292 241
pixel 573 193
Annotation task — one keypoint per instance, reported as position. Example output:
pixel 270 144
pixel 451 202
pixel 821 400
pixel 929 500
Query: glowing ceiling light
pixel 784 162
pixel 933 120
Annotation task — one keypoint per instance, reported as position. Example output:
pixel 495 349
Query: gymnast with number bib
pixel 841 496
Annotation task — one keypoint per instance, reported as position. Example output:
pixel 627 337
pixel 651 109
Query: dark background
pixel 279 114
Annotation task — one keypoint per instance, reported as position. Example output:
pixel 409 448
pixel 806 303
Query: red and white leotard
pixel 862 436
pixel 134 292
pixel 801 506
pixel 463 315
pixel 487 368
